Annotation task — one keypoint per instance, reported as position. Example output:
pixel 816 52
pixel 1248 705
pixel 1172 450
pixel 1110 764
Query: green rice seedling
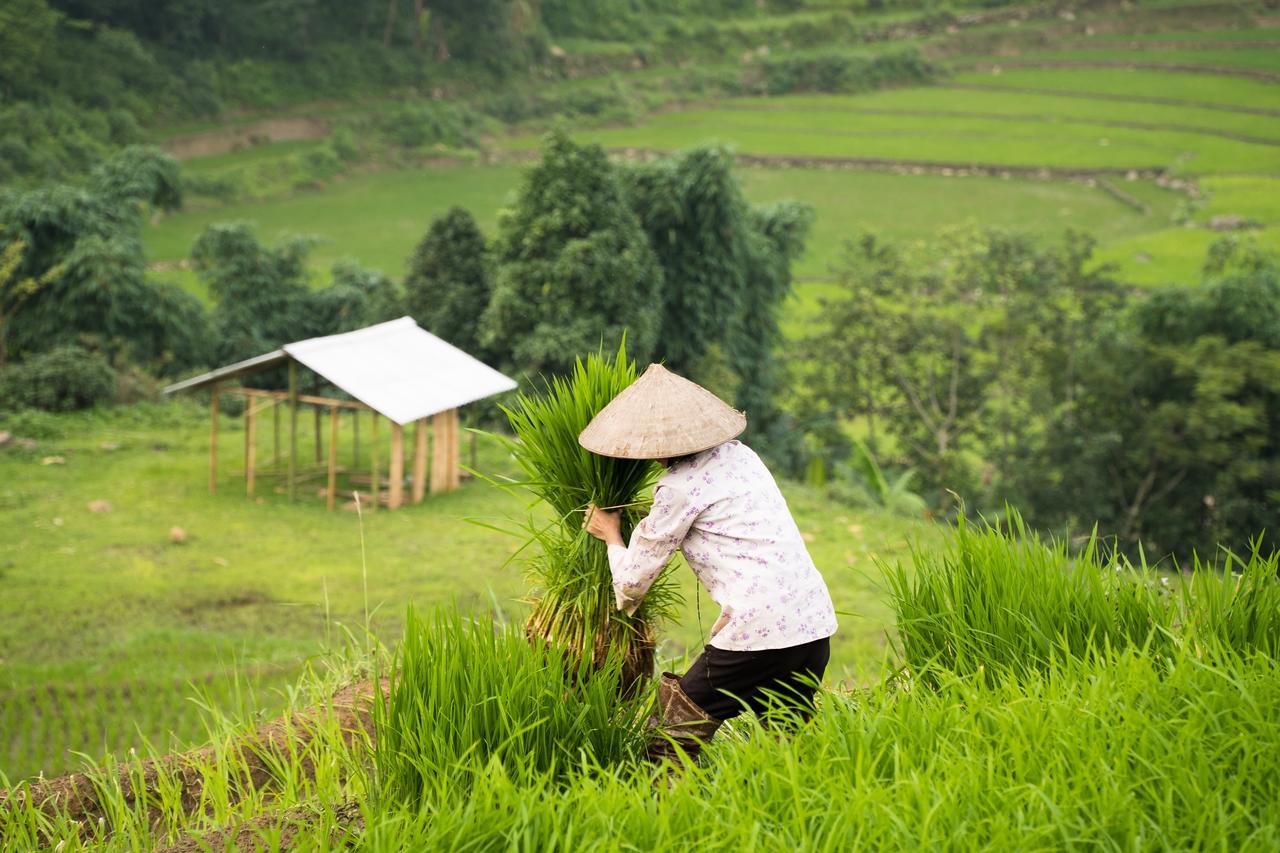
pixel 1126 753
pixel 1005 601
pixel 574 607
pixel 1236 606
pixel 469 699
pixel 1008 602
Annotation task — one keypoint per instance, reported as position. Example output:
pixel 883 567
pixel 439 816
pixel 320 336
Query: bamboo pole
pixel 331 494
pixel 396 496
pixel 373 453
pixel 293 429
pixel 250 447
pixel 455 475
pixel 275 437
pixel 419 460
pixel 302 398
pixel 439 454
pixel 319 441
pixel 355 440
pixel 213 441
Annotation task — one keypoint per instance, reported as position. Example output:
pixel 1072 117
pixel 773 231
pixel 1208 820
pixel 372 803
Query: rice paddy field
pixel 1078 704
pixel 1143 157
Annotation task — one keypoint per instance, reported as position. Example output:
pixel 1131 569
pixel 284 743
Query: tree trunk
pixel 417 25
pixel 391 21
pixel 439 39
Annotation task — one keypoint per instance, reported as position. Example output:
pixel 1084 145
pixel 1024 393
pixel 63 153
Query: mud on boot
pixel 680 726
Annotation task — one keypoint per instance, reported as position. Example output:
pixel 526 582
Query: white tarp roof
pixel 400 369
pixel 396 368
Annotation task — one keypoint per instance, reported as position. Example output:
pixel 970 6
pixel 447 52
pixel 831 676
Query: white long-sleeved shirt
pixel 724 511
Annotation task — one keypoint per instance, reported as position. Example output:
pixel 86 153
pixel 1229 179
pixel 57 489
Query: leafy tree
pixel 777 239
pixel 450 281
pixel 699 224
pixel 80 274
pixel 1171 440
pixel 953 355
pixel 356 297
pixel 575 271
pixel 139 177
pixel 27 36
pixel 261 293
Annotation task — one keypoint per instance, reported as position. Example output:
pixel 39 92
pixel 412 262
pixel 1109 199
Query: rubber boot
pixel 680 727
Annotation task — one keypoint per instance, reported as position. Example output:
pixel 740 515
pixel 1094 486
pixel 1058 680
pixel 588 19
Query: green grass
pixel 1170 256
pixel 97 600
pixel 1051 109
pixel 1256 58
pixel 950 139
pixel 485 743
pixel 377 217
pixel 392 210
pixel 915 207
pixel 252 156
pixel 1253 197
pixel 1242 34
pixel 1138 84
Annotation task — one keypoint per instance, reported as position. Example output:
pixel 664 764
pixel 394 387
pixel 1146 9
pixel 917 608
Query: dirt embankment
pixel 251 761
pixel 228 139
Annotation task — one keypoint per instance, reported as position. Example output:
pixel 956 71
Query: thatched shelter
pixel 395 370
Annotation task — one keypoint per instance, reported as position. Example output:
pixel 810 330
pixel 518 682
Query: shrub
pixel 840 71
pixel 59 380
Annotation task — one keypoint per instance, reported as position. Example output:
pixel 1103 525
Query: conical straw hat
pixel 661 416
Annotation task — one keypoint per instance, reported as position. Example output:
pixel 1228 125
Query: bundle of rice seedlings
pixel 573 603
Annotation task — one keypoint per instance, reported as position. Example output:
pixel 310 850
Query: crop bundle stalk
pixel 573 599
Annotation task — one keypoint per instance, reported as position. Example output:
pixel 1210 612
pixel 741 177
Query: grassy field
pixel 109 620
pixel 400 205
pixel 107 627
pixel 1134 84
pixel 1221 131
pixel 964 141
pixel 1049 702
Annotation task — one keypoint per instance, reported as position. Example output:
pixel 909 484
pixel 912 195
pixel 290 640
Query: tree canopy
pixel 449 280
pixel 575 270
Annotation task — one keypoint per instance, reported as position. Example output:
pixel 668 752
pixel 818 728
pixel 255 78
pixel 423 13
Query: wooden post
pixel 419 460
pixel 355 439
pixel 396 496
pixel 455 475
pixel 439 453
pixel 373 452
pixel 250 445
pixel 293 429
pixel 275 438
pixel 319 441
pixel 213 441
pixel 332 493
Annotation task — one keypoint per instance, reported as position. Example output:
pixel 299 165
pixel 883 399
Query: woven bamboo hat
pixel 661 416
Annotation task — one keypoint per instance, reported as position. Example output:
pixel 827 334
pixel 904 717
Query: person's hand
pixel 604 525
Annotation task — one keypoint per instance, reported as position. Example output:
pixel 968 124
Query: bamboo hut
pixel 394 370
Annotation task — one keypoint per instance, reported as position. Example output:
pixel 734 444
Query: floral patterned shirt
pixel 724 511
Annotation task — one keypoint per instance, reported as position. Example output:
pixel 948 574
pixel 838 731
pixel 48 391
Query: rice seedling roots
pixel 248 758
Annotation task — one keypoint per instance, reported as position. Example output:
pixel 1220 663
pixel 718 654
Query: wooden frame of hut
pixel 394 370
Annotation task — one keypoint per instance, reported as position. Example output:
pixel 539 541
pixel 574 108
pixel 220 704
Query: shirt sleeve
pixel 654 540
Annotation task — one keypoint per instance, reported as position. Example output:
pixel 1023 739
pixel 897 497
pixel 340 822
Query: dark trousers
pixel 725 683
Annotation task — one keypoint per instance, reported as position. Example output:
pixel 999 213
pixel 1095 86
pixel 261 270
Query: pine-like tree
pixel 575 270
pixel 449 281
